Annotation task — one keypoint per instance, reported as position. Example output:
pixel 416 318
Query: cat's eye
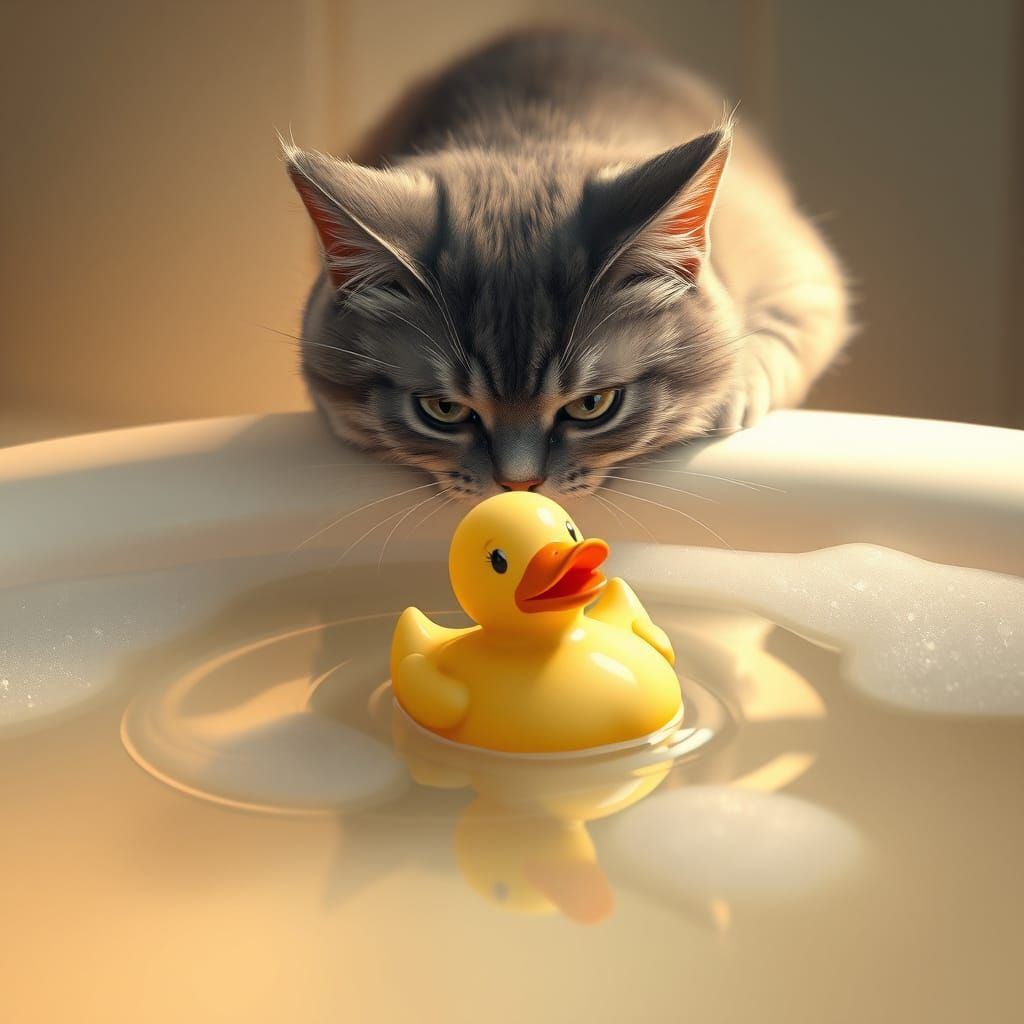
pixel 593 407
pixel 499 563
pixel 444 411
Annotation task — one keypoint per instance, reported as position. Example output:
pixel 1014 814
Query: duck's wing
pixel 431 697
pixel 656 637
pixel 619 606
pixel 416 634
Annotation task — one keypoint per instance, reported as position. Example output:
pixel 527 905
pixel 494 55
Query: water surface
pixel 211 813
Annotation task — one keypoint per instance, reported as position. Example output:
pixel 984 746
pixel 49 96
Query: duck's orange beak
pixel 562 576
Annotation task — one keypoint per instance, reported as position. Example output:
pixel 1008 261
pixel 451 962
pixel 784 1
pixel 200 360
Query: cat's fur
pixel 533 225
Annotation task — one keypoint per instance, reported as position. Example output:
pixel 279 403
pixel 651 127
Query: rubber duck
pixel 538 673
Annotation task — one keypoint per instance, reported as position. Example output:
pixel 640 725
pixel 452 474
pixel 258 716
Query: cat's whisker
pixel 354 354
pixel 368 466
pixel 366 533
pixel 748 484
pixel 409 512
pixel 362 508
pixel 677 511
pixel 607 506
pixel 629 515
pixel 618 512
pixel 666 487
pixel 745 484
pixel 437 508
pixel 274 330
pixel 332 348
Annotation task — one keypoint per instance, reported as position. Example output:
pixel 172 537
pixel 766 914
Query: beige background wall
pixel 149 236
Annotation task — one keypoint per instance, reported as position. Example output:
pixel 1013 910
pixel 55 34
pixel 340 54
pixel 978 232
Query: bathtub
pixel 212 812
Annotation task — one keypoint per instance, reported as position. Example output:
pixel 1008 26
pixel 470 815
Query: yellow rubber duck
pixel 536 674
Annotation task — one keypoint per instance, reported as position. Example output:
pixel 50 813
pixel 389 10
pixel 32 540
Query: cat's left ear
pixel 654 218
pixel 372 224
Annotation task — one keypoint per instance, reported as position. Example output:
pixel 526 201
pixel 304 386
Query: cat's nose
pixel 519 485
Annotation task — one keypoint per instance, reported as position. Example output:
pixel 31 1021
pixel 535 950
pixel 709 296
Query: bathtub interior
pixel 213 808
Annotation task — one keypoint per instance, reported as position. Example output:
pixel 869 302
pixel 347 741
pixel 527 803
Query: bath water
pixel 212 811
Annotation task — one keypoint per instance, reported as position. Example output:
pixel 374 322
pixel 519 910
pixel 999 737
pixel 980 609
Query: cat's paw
pixel 751 398
pixel 762 382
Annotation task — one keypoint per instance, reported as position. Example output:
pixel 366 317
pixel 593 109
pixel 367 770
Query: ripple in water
pixel 261 727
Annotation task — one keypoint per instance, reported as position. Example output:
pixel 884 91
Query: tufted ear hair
pixel 373 224
pixel 653 218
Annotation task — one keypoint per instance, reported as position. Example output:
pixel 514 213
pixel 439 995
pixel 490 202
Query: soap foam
pixel 913 634
pixel 61 643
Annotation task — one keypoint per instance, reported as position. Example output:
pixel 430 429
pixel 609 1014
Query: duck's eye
pixel 500 891
pixel 499 563
pixel 444 411
pixel 572 530
pixel 591 408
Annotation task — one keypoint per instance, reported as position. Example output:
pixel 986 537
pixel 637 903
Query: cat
pixel 552 257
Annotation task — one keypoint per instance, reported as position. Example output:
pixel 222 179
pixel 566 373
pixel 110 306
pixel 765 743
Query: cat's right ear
pixel 371 223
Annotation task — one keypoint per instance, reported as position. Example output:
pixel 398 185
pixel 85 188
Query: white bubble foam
pixel 913 634
pixel 61 643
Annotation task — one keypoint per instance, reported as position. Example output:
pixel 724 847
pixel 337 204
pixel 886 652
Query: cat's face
pixel 533 337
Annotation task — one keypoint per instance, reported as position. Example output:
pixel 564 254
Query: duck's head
pixel 518 561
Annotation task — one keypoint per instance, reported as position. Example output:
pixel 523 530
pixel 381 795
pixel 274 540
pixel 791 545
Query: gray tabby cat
pixel 540 267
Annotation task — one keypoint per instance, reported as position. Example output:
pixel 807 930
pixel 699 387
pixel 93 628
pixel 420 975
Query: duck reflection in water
pixel 522 843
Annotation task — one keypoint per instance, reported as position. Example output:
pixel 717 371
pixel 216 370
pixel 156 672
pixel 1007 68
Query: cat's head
pixel 514 320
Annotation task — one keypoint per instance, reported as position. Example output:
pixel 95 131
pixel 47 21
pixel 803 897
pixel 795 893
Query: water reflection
pixel 721 844
pixel 522 843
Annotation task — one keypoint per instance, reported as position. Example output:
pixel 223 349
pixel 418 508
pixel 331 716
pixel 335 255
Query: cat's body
pixel 520 291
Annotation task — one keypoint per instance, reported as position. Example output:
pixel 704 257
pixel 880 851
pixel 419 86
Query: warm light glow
pixel 721 915
pixel 777 773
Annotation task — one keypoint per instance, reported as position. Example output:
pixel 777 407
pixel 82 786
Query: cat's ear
pixel 372 224
pixel 654 217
